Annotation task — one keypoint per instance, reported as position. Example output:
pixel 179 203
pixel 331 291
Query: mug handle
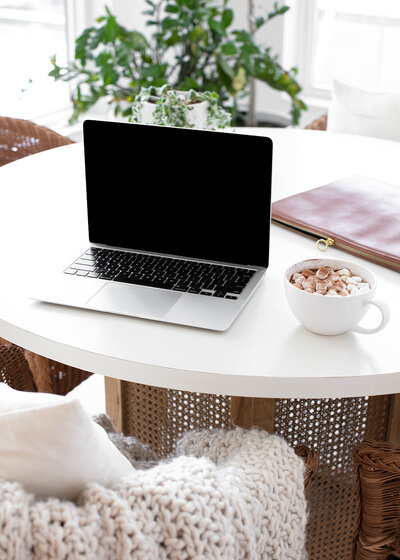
pixel 384 309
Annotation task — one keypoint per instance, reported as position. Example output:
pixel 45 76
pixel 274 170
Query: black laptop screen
pixel 193 193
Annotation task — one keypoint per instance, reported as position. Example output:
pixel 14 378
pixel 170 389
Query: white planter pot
pixel 197 114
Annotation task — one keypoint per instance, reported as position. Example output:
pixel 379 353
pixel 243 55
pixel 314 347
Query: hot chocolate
pixel 325 281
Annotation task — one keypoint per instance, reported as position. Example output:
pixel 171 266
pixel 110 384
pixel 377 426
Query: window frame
pixel 299 46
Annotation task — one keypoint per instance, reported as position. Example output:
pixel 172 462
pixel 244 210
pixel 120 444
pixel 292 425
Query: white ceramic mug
pixel 331 315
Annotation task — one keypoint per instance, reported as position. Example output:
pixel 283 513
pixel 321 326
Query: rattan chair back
pixel 14 369
pixel 318 124
pixel 377 535
pixel 20 138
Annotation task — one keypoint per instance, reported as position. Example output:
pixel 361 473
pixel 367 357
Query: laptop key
pixel 122 277
pixel 88 268
pixel 70 271
pixel 81 273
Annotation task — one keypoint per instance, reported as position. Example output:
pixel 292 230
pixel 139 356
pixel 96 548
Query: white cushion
pixel 50 445
pixel 357 111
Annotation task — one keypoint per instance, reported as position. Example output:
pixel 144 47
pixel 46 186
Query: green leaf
pixel 227 18
pixel 197 33
pixel 216 26
pixel 103 58
pixel 138 41
pixel 171 9
pixel 189 83
pixel 277 11
pixel 155 71
pixel 225 72
pixel 173 39
pixel 243 37
pixel 109 75
pixel 260 22
pixel 249 49
pixel 169 23
pixel 229 48
pixel 111 30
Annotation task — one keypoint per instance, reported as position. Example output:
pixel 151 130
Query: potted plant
pixel 193 46
pixel 167 106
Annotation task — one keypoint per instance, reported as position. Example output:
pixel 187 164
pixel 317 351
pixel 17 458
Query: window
pixel 355 41
pixel 31 31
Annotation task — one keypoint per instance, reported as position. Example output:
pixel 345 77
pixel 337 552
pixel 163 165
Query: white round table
pixel 320 383
pixel 266 352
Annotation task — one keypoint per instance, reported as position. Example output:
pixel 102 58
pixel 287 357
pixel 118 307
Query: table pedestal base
pixel 332 427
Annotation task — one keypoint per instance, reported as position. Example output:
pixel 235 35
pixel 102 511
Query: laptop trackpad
pixel 133 300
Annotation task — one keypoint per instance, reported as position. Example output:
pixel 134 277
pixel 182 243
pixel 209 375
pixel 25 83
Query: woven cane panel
pixel 159 417
pixel 330 426
pixel 333 427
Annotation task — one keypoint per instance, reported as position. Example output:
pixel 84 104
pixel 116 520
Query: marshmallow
pixel 352 288
pixel 333 277
pixel 323 272
pixel 309 282
pixel 298 278
pixel 344 272
pixel 343 292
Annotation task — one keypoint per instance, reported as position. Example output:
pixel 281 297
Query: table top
pixel 266 352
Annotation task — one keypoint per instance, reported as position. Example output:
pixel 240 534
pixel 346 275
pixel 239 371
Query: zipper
pixel 322 243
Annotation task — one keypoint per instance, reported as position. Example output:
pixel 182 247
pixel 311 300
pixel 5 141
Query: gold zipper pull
pixel 323 244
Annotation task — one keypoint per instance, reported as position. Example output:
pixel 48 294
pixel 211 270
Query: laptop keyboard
pixel 162 272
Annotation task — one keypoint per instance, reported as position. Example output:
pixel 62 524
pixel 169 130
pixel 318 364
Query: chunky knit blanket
pixel 222 495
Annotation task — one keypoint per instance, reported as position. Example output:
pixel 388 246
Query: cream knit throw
pixel 224 495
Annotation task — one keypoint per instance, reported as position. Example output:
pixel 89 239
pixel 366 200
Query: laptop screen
pixel 186 192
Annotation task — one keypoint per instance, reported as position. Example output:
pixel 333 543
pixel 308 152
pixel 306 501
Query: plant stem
pixel 251 115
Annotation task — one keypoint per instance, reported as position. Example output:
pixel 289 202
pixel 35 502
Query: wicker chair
pixel 20 138
pixel 14 369
pixel 378 499
pixel 318 124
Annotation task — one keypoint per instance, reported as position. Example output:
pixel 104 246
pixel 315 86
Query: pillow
pixel 49 444
pixel 357 111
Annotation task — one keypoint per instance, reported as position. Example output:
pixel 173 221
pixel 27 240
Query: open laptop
pixel 179 223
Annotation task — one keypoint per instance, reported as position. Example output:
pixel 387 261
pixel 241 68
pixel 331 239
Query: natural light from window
pixel 358 42
pixel 31 31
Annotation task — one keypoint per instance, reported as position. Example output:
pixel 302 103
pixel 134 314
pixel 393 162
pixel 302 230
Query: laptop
pixel 178 220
